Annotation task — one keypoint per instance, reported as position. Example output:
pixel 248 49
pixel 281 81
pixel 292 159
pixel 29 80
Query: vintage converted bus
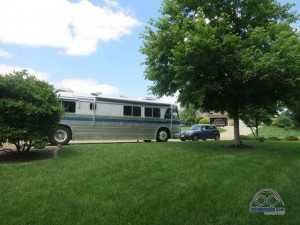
pixel 106 118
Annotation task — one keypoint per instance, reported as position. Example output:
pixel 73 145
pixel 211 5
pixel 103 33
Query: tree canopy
pixel 224 55
pixel 188 115
pixel 30 110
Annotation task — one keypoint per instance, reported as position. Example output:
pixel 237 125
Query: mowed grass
pixel 152 183
pixel 272 131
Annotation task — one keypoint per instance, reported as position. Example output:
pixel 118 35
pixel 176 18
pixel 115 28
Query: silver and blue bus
pixel 107 118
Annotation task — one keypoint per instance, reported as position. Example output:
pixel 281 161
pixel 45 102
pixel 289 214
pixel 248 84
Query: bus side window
pixel 127 110
pixel 93 106
pixel 131 111
pixel 156 112
pixel 152 112
pixel 148 112
pixel 136 111
pixel 168 114
pixel 69 106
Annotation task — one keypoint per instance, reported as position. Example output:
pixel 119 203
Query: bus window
pixel 69 106
pixel 93 106
pixel 127 110
pixel 132 110
pixel 148 112
pixel 136 111
pixel 168 114
pixel 175 115
pixel 156 112
pixel 152 112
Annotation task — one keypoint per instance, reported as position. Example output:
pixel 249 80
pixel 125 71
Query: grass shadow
pixel 28 157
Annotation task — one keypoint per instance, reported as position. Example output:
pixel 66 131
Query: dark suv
pixel 200 131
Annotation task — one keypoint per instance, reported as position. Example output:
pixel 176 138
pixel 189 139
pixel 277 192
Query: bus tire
pixel 162 135
pixel 62 136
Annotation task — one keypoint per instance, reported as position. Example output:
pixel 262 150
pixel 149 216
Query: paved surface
pixel 229 134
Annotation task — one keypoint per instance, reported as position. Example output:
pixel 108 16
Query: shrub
pixel 39 144
pixel 274 139
pixel 197 120
pixel 284 122
pixel 203 121
pixel 246 138
pixel 261 139
pixel 30 110
pixel 291 138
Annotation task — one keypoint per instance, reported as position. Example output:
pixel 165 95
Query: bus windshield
pixel 175 115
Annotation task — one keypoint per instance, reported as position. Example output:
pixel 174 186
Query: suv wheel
pixel 195 137
pixel 217 137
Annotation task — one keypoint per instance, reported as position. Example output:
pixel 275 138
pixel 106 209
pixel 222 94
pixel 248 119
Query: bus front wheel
pixel 62 136
pixel 162 135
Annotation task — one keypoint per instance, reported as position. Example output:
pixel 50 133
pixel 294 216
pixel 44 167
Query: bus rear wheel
pixel 162 135
pixel 62 136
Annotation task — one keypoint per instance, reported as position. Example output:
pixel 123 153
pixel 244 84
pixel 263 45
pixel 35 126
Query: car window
pixel 195 127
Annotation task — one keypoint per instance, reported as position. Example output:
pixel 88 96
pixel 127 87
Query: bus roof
pixel 74 96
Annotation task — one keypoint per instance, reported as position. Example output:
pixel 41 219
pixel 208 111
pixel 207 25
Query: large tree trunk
pixel 237 140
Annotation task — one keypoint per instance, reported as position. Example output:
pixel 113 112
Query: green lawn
pixel 152 183
pixel 272 131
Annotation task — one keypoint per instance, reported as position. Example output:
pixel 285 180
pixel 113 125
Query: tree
pixel 295 114
pixel 294 109
pixel 188 115
pixel 30 110
pixel 223 55
pixel 254 117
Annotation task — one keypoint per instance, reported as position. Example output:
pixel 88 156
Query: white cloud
pixel 5 54
pixel 77 28
pixel 5 69
pixel 87 86
pixel 168 99
pixel 80 86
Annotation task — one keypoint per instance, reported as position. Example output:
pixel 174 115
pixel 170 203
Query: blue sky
pixel 87 45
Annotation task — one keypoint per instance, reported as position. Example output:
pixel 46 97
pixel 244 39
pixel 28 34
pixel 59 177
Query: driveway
pixel 229 134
